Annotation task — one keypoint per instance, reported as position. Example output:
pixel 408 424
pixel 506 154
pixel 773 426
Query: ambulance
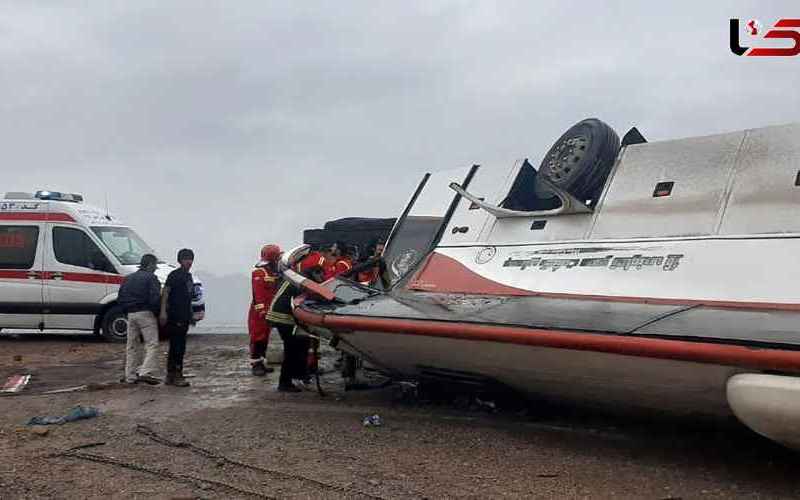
pixel 62 263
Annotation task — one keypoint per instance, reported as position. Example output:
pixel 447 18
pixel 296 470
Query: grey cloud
pixel 222 125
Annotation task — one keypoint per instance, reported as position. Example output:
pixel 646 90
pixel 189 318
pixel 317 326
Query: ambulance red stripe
pixel 84 277
pixel 114 279
pixel 37 216
pixel 13 275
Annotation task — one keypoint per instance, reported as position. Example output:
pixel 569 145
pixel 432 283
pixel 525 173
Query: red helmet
pixel 270 253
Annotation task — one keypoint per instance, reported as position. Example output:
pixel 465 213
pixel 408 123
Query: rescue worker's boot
pixel 257 368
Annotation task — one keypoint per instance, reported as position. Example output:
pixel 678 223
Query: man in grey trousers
pixel 140 296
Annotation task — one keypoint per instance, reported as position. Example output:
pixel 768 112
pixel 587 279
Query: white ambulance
pixel 62 262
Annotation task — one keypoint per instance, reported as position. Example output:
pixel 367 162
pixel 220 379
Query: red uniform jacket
pixel 342 265
pixel 370 276
pixel 264 285
pixel 316 260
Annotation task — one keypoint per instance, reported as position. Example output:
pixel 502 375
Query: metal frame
pixel 569 203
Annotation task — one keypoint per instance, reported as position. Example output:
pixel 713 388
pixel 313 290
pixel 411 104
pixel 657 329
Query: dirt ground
pixel 231 435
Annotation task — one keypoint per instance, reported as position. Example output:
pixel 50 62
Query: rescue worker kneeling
pixel 264 285
pixel 295 346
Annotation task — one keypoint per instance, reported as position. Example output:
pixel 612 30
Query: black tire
pixel 581 159
pixel 115 325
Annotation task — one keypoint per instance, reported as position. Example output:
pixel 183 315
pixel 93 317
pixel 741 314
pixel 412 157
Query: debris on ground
pixel 67 389
pixel 40 430
pixel 15 383
pixel 372 421
pixel 436 449
pixel 77 413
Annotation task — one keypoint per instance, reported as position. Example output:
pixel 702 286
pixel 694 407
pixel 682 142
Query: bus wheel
pixel 581 159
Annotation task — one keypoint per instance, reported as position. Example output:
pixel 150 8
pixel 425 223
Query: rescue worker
pixel 334 262
pixel 295 347
pixel 318 259
pixel 329 254
pixel 344 262
pixel 264 283
pixel 370 269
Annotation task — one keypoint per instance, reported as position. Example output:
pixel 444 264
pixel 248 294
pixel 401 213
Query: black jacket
pixel 140 291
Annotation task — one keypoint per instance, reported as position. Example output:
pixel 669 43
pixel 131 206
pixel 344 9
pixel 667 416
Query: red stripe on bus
pixel 443 274
pixel 698 352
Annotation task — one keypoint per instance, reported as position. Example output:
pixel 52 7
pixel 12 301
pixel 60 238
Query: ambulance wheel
pixel 115 325
pixel 581 159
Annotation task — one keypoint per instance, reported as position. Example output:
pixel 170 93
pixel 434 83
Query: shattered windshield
pixel 124 243
pixel 351 293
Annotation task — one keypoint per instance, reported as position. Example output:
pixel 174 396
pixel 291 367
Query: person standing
pixel 295 346
pixel 139 297
pixel 176 314
pixel 264 283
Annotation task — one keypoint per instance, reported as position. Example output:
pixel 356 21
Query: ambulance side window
pixel 74 247
pixel 18 246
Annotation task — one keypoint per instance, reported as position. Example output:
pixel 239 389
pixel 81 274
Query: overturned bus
pixel 631 274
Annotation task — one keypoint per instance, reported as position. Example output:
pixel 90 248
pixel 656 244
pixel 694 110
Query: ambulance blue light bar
pixel 56 196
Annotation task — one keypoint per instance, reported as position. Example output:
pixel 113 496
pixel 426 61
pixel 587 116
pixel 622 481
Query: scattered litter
pixel 77 413
pixel 40 430
pixel 67 389
pixel 547 474
pixel 372 421
pixel 17 357
pixel 15 383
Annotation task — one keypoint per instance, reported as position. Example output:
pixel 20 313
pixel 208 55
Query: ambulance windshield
pixel 124 243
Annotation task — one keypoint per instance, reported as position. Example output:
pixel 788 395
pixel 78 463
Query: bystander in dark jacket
pixel 176 315
pixel 139 296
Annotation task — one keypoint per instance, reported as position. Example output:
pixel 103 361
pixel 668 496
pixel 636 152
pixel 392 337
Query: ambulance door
pixel 21 252
pixel 76 277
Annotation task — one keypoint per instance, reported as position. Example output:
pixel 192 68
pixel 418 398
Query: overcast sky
pixel 225 125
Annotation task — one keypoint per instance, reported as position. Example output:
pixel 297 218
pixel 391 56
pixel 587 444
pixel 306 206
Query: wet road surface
pixel 231 435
